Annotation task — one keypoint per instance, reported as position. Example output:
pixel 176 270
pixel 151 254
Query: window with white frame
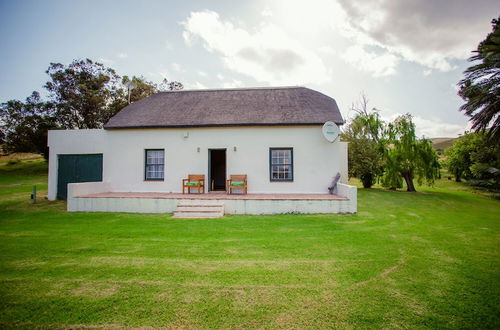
pixel 154 164
pixel 281 164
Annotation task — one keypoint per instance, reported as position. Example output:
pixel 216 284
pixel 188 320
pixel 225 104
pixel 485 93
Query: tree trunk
pixel 458 178
pixel 409 181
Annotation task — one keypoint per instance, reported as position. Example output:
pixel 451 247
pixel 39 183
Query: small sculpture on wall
pixel 333 188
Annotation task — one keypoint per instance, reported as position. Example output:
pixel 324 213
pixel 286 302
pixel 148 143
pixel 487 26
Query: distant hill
pixel 440 144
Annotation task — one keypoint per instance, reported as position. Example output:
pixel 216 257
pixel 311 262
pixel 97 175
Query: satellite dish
pixel 130 85
pixel 331 131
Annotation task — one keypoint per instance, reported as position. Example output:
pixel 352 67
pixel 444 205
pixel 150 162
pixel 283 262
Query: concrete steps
pixel 199 209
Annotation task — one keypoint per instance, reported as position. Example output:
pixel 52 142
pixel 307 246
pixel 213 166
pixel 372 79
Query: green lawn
pixel 424 260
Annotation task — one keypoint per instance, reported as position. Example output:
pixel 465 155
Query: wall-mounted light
pixel 234 149
pixel 186 135
pixel 198 149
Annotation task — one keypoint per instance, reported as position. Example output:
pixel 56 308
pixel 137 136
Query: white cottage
pixel 274 136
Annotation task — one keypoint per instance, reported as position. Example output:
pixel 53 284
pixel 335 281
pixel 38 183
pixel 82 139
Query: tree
pixel 170 86
pixel 407 157
pixel 81 93
pixel 365 150
pixel 486 165
pixel 481 86
pixel 473 158
pixel 142 88
pixel 458 156
pixel 365 158
pixel 25 125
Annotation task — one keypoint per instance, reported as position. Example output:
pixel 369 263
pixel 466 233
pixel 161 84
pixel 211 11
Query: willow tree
pixel 365 150
pixel 407 157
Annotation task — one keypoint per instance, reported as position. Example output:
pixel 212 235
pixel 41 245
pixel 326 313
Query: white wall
pixel 84 188
pixel 316 160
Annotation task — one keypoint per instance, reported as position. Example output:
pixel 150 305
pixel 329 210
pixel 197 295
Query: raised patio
pixel 99 197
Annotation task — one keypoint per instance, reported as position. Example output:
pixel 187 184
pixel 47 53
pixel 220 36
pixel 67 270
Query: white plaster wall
pixel 316 160
pixel 351 193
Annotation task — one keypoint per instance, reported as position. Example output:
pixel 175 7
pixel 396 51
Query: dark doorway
pixel 217 169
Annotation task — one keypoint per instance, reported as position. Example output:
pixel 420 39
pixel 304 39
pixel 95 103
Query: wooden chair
pixel 194 181
pixel 237 181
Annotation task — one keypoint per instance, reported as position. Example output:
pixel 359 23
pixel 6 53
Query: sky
pixel 406 56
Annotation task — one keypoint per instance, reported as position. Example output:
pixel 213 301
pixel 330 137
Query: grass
pixel 424 260
pixel 18 158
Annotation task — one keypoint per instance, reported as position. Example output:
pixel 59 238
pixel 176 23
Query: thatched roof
pixel 281 106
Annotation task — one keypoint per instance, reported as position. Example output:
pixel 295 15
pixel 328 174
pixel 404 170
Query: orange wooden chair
pixel 194 181
pixel 237 181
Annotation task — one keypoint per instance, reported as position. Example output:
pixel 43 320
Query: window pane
pixel 155 157
pixel 274 172
pixel 287 172
pixel 287 159
pixel 281 164
pixel 155 160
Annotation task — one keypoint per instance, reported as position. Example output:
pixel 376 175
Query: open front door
pixel 217 169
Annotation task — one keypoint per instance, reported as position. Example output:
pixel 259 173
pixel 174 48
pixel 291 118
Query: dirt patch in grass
pixel 120 261
pixel 32 262
pixel 95 290
pixel 380 276
pixel 227 292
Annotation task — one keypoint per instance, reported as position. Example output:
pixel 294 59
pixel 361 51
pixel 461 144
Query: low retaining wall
pixel 130 205
pixel 84 188
pixel 231 206
pixel 351 193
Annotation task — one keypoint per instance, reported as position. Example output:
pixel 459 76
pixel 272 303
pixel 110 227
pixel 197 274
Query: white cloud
pixel 428 32
pixel 267 54
pixel 327 50
pixel 234 83
pixel 431 128
pixel 431 33
pixel 168 45
pixel 296 42
pixel 267 12
pixel 106 61
pixel 195 85
pixel 177 67
pixel 436 128
pixel 122 55
pixel 378 64
pixel 202 73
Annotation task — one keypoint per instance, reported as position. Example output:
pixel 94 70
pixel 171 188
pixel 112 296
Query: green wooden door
pixel 77 168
